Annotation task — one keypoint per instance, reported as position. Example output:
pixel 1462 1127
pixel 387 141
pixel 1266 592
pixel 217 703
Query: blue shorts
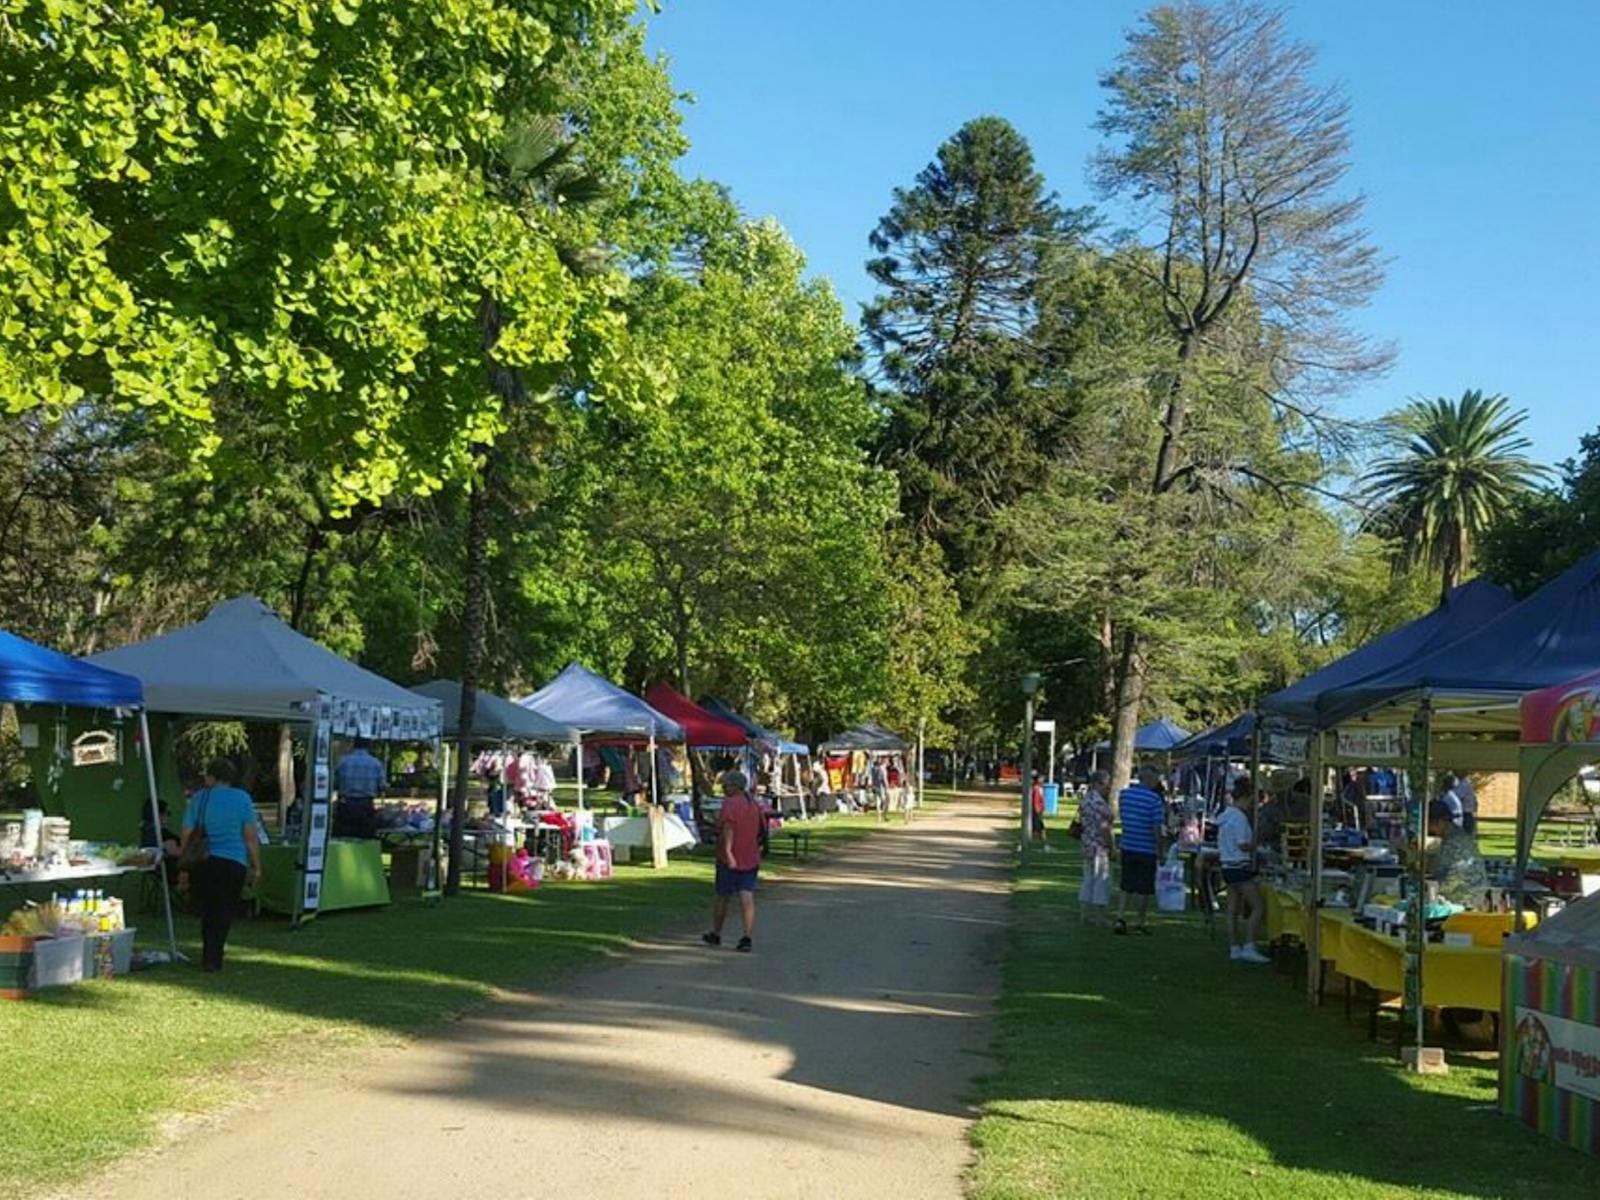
pixel 1238 874
pixel 731 882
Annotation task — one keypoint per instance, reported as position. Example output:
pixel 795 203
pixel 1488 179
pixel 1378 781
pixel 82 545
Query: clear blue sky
pixel 1475 128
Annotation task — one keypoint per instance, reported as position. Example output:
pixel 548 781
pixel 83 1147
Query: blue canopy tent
pixel 776 741
pixel 1235 739
pixel 1309 700
pixel 771 742
pixel 594 706
pixel 1473 682
pixel 1161 736
pixel 35 674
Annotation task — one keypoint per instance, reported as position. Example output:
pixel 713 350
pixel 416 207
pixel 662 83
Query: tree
pixel 1219 142
pixel 1547 530
pixel 1454 469
pixel 963 261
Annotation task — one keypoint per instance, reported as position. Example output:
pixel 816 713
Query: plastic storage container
pixel 1052 798
pixel 57 961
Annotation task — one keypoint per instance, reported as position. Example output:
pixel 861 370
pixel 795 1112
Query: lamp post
pixel 1030 688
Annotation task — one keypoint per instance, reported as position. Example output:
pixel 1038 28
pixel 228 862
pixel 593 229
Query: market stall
pixel 243 663
pixel 847 757
pixel 36 853
pixel 1550 1027
pixel 1560 737
pixel 603 714
pixel 774 747
pixel 506 738
pixel 704 733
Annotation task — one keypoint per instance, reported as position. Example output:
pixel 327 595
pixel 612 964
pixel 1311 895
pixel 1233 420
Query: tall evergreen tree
pixel 963 260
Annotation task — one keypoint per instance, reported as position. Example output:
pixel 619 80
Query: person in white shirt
pixel 1467 797
pixel 1236 848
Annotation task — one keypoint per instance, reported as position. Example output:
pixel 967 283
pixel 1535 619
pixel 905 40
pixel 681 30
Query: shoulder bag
pixel 197 850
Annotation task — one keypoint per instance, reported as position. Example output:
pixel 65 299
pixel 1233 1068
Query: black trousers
pixel 355 817
pixel 218 885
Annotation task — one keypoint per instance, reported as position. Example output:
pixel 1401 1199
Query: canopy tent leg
pixel 1421 782
pixel 441 754
pixel 922 764
pixel 577 760
pixel 800 788
pixel 161 851
pixel 1314 900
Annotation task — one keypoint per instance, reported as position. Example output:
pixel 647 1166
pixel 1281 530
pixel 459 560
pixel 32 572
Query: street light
pixel 1030 688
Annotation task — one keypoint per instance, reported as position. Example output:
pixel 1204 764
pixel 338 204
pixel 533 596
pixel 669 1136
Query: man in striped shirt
pixel 1144 818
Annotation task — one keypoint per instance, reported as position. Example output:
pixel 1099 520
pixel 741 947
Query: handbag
pixel 196 851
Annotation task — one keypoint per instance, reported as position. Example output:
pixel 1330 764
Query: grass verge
pixel 1153 1067
pixel 94 1072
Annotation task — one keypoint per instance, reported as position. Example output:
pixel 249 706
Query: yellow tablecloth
pixel 1452 976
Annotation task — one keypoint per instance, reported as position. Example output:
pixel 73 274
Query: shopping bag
pixel 1171 895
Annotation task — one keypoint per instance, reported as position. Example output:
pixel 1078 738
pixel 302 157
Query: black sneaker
pixel 745 945
pixel 711 939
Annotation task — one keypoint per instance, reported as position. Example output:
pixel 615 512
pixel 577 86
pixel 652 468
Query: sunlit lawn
pixel 1154 1067
pixel 91 1072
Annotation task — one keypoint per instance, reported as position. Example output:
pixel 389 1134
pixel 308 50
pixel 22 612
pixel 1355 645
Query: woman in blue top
pixel 228 817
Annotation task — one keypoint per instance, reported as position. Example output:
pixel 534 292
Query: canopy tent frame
pixel 1560 732
pixel 46 676
pixel 243 662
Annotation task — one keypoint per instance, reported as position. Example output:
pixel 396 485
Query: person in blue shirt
pixel 1143 814
pixel 228 818
pixel 359 779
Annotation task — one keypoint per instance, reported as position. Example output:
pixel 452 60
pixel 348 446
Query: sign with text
pixel 1288 747
pixel 1557 1052
pixel 1044 726
pixel 1377 743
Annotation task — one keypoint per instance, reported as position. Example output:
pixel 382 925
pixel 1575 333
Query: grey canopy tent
pixel 868 736
pixel 496 719
pixel 243 662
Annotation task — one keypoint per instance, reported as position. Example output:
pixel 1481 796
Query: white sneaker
pixel 1235 952
pixel 1250 954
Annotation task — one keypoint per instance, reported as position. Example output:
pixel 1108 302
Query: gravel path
pixel 834 1062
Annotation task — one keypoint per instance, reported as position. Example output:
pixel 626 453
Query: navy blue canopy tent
pixel 1236 739
pixel 35 674
pixel 1465 609
pixel 1475 680
pixel 1160 736
pixel 774 741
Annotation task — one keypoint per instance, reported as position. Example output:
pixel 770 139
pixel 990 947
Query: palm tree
pixel 1456 468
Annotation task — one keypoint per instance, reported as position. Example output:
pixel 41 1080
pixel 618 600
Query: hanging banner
pixel 1288 747
pixel 1558 1052
pixel 318 818
pixel 1377 743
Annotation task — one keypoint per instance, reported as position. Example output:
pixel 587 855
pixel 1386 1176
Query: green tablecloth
pixel 352 876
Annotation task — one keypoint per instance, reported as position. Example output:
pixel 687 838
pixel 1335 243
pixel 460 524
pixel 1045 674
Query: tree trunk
pixel 473 621
pixel 1130 673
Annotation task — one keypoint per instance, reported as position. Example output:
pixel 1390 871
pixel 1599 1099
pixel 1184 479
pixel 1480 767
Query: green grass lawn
pixel 1154 1067
pixel 92 1072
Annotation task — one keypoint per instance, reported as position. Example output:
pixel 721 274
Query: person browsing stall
pixel 1236 848
pixel 738 859
pixel 360 779
pixel 226 817
pixel 1094 817
pixel 1144 823
pixel 1457 867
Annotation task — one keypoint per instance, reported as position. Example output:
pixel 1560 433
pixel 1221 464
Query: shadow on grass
pixel 1102 1028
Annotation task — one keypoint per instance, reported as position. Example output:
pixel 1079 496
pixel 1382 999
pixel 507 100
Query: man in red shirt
pixel 738 858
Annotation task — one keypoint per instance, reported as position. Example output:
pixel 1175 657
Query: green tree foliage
pixel 1454 468
pixel 283 207
pixel 1548 530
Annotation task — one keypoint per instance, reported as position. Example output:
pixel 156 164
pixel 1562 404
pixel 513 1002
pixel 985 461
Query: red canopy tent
pixel 704 730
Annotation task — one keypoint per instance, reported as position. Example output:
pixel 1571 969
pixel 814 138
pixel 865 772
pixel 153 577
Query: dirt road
pixel 831 1063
